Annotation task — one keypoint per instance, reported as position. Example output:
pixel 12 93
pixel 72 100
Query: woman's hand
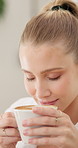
pixel 59 130
pixel 9 134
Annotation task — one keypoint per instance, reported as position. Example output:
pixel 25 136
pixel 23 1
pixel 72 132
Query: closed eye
pixel 30 79
pixel 54 79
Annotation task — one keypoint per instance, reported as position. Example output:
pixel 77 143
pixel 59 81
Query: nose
pixel 42 90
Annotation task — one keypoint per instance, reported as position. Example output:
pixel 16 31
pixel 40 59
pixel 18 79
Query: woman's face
pixel 50 75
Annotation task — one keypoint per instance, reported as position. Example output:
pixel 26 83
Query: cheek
pixel 62 87
pixel 29 88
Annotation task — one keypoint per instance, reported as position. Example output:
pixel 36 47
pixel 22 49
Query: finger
pixel 48 121
pixel 47 141
pixel 42 120
pixel 10 132
pixel 8 114
pixel 46 111
pixel 8 122
pixel 46 131
pixel 6 140
pixel 12 145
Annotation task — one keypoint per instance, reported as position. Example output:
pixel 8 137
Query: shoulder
pixel 21 102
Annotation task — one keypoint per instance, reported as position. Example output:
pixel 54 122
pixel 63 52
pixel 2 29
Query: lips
pixel 49 102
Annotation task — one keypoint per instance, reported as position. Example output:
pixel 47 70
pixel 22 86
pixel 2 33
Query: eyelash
pixel 53 79
pixel 30 79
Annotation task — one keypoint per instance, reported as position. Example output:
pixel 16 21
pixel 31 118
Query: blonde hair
pixel 52 25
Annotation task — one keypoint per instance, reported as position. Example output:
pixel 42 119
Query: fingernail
pixel 26 123
pixel 30 141
pixel 26 132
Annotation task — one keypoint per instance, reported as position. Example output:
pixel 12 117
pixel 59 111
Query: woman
pixel 49 59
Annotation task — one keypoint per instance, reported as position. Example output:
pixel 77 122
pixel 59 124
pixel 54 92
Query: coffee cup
pixel 23 113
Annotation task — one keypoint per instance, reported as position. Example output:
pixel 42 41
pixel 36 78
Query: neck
pixel 72 111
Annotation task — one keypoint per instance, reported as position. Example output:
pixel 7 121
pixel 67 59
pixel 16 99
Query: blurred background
pixel 14 15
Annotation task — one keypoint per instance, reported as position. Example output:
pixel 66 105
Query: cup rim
pixel 28 107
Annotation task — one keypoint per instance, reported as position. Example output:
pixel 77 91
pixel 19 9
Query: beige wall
pixel 17 14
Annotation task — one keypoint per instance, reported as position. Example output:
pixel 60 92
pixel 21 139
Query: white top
pixel 25 101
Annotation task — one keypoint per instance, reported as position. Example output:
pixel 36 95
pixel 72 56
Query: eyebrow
pixel 44 71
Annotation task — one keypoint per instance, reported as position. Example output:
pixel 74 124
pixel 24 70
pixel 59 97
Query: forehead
pixel 47 48
pixel 43 56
